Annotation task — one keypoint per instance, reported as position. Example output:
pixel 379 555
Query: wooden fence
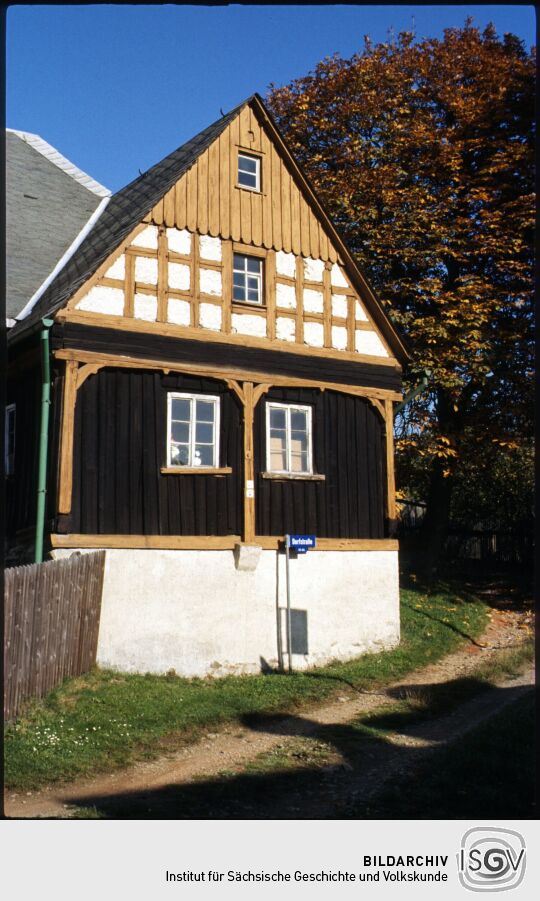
pixel 51 621
pixel 483 543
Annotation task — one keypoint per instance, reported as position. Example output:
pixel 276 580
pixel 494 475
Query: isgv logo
pixel 491 859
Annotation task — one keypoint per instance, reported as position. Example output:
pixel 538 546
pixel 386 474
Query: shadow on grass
pixel 441 622
pixel 295 784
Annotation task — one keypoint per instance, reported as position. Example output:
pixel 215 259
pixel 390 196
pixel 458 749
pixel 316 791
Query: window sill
pixel 293 477
pixel 252 190
pixel 238 306
pixel 196 470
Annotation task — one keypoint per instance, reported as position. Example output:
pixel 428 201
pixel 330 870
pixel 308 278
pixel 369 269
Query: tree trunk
pixel 435 525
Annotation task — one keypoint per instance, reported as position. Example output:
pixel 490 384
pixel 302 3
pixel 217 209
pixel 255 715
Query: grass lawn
pixel 104 719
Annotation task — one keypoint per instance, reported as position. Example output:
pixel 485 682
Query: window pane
pixel 277 418
pixel 204 455
pixel 239 293
pixel 180 409
pixel 253 283
pixel 239 279
pixel 249 164
pixel 299 462
pixel 298 442
pixel 253 265
pixel 245 178
pixel 299 420
pixel 180 432
pixel 239 262
pixel 180 455
pixel 253 296
pixel 204 433
pixel 205 411
pixel 277 461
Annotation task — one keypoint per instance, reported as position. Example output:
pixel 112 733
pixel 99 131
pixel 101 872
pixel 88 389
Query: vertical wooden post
pixel 163 275
pixel 249 469
pixel 390 477
pixel 129 289
pixel 249 396
pixel 66 453
pixel 195 279
pixel 351 323
pixel 227 285
pixel 327 305
pixel 270 294
pixel 299 328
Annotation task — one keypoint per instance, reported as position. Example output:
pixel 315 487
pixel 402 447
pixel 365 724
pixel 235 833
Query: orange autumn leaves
pixel 422 151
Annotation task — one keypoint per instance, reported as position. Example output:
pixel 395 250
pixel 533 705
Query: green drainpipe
pixel 43 436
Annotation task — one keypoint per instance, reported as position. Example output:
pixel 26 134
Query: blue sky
pixel 115 88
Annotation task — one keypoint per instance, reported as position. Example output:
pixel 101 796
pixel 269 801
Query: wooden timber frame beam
pixel 74 377
pixel 249 395
pixel 248 387
pixel 390 476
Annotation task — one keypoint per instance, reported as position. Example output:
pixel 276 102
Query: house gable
pixel 175 267
pixel 172 272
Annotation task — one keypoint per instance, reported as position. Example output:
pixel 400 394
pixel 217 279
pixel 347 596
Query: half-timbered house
pixel 222 375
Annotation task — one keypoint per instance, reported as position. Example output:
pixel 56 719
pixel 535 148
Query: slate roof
pixel 124 211
pixel 48 201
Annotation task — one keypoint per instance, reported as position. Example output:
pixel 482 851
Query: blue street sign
pixel 302 543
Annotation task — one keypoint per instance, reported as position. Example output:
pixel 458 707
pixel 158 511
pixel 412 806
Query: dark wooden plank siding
pixel 24 390
pixel 349 449
pixel 120 446
pixel 161 347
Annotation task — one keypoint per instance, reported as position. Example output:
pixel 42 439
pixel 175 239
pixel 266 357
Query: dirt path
pixel 151 785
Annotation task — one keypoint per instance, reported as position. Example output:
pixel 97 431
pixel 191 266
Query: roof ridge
pixel 54 156
pixel 197 138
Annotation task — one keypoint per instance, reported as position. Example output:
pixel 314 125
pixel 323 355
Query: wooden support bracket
pixel 66 452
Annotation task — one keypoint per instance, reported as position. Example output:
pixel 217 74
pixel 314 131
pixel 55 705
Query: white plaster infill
pixel 285 264
pixel 210 248
pixel 179 240
pixel 178 311
pixel 102 299
pixel 246 324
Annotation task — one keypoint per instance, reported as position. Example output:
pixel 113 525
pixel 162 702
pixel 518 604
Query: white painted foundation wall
pixel 195 613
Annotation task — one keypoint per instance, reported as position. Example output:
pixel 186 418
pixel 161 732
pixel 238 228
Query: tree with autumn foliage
pixel 422 151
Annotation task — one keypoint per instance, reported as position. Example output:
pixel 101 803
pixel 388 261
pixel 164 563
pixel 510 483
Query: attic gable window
pixel 192 430
pixel 247 279
pixel 249 171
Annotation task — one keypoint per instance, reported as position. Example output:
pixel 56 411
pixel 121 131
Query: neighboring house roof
pixel 48 202
pixel 125 209
pixel 129 206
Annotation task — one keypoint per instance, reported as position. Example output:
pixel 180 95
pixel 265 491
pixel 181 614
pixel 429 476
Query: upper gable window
pixel 247 278
pixel 249 171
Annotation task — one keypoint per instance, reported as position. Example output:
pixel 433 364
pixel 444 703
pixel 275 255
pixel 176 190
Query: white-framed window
pixel 247 278
pixel 9 440
pixel 249 171
pixel 192 430
pixel 288 438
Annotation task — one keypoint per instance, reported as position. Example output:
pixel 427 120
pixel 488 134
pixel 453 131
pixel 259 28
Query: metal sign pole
pixel 288 581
